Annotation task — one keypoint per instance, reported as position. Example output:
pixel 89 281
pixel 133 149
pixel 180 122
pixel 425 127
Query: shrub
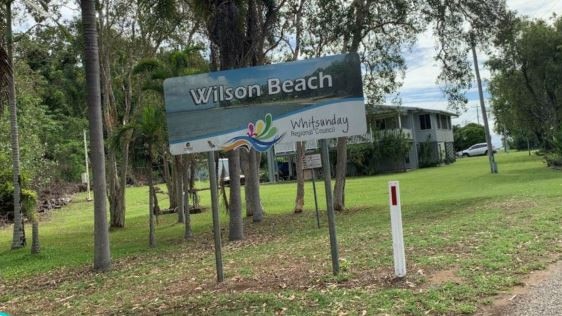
pixel 553 160
pixel 428 154
pixel 28 197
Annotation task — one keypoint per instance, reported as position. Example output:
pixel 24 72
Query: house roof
pixel 387 109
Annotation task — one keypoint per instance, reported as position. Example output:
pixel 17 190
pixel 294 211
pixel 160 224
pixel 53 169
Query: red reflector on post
pixel 393 195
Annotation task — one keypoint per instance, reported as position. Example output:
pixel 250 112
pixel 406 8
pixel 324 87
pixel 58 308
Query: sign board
pixel 260 106
pixel 84 177
pixel 291 148
pixel 312 161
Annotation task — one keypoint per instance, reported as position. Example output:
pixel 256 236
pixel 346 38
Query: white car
pixel 476 150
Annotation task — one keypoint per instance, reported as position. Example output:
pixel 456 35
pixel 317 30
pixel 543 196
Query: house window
pixel 425 121
pixel 444 122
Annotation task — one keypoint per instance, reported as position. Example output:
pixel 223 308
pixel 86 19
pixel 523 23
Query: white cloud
pixel 541 9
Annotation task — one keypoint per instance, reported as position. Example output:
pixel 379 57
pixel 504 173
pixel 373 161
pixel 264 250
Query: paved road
pixel 542 299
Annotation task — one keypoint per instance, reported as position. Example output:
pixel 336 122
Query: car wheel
pixel 486 153
pixel 465 155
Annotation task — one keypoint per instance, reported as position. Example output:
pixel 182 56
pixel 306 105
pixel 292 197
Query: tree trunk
pixel 341 150
pixel 341 169
pixel 188 233
pixel 118 184
pixel 192 171
pixel 156 207
pixel 255 199
pixel 245 166
pixel 236 231
pixel 223 188
pixel 18 240
pixel 35 246
pixel 102 257
pixel 117 160
pixel 116 194
pixel 151 201
pixel 179 187
pixel 169 170
pixel 299 200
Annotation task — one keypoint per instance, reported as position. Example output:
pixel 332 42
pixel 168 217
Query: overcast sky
pixel 420 88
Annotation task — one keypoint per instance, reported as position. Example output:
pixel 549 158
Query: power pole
pixel 477 115
pixel 493 166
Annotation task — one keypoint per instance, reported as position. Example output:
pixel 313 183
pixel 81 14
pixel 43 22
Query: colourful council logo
pixel 259 136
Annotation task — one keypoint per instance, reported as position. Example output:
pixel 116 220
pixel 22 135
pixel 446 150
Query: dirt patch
pixel 444 276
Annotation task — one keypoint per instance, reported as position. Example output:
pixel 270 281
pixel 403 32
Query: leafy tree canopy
pixel 526 86
pixel 468 135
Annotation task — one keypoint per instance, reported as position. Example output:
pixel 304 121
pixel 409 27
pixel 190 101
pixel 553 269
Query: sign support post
pixel 311 162
pixel 397 233
pixel 215 208
pixel 330 205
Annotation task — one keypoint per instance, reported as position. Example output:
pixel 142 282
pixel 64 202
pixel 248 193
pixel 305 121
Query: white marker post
pixel 397 234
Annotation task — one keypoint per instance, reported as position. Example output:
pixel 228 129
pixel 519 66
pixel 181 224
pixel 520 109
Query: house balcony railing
pixel 368 138
pixel 395 131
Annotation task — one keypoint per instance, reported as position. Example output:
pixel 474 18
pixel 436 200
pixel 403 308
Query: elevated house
pixel 429 131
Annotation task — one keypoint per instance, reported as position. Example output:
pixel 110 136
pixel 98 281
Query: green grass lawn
pixel 469 235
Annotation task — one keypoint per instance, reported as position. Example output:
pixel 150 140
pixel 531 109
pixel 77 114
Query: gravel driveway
pixel 543 298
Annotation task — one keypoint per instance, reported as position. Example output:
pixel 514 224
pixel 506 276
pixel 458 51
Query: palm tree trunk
pixel 102 256
pixel 151 201
pixel 18 240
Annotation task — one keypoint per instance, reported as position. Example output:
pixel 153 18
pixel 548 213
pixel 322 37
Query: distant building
pixel 430 132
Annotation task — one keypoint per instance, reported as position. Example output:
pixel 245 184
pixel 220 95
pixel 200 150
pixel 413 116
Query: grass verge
pixel 469 235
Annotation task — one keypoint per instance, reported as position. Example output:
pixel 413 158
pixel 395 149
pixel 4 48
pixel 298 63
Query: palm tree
pixel 148 127
pixel 154 71
pixel 8 78
pixel 102 256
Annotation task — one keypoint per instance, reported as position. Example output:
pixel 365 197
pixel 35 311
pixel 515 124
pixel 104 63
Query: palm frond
pixel 147 65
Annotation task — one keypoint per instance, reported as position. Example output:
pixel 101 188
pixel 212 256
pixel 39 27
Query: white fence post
pixel 397 234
